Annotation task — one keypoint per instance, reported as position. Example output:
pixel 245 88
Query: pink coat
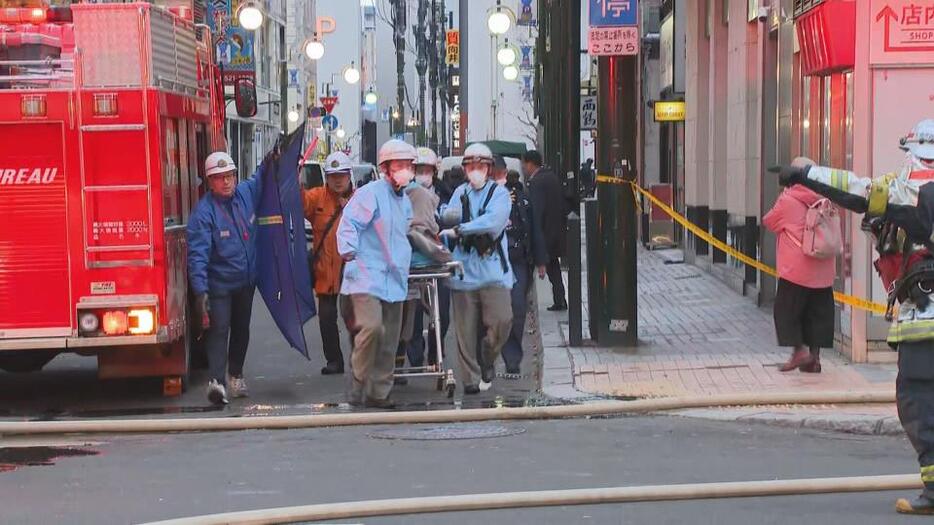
pixel 787 218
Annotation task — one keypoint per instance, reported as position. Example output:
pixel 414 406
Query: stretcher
pixel 423 285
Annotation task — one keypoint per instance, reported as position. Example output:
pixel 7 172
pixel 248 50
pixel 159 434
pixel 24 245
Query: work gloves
pixel 789 175
pixel 203 312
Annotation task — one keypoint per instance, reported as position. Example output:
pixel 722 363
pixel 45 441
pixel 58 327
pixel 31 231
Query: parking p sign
pixel 612 13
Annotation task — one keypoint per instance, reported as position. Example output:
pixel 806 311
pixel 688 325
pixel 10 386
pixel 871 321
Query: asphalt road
pixel 133 479
pixel 281 381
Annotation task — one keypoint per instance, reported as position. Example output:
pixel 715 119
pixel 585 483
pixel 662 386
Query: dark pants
pixel 914 392
pixel 415 348
pixel 557 284
pixel 229 335
pixel 330 335
pixel 512 350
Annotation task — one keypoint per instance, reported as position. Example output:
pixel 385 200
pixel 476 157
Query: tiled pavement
pixel 699 337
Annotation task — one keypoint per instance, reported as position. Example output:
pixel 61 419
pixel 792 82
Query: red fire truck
pixel 107 111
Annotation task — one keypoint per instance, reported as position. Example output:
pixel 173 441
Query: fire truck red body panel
pixel 99 171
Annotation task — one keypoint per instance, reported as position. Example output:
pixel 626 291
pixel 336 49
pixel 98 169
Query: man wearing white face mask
pixel 482 296
pixel 372 239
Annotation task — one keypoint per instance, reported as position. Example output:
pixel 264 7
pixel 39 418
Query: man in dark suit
pixel 549 206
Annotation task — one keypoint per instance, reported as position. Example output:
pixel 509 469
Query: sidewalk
pixel 698 337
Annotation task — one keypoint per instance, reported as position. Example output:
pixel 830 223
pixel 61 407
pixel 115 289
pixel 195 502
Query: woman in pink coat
pixel 804 307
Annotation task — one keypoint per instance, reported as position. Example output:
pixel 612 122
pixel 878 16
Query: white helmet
pixel 395 149
pixel 920 142
pixel 337 162
pixel 477 153
pixel 427 157
pixel 217 163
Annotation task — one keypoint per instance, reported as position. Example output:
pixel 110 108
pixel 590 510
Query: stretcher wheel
pixel 450 383
pixel 450 388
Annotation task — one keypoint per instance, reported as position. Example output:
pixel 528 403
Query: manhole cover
pixel 449 432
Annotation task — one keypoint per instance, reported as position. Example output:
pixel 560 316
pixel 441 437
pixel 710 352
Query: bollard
pixel 575 322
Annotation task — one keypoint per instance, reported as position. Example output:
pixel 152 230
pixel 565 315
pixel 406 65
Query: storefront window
pixel 826 127
pixel 848 122
pixel 806 117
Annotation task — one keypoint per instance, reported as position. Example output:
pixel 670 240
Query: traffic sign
pixel 329 122
pixel 329 103
pixel 614 13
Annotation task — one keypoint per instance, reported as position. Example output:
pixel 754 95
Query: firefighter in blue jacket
pixel 481 299
pixel 222 271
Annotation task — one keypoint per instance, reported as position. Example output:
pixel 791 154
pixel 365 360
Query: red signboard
pixel 329 103
pixel 827 35
pixel 902 32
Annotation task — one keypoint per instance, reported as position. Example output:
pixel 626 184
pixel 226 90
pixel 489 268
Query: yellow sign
pixel 669 111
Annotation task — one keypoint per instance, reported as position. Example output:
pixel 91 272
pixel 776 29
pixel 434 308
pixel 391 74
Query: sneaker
pixel 335 369
pixel 238 387
pixel 485 385
pixel 385 404
pixel 217 394
pixel 558 307
pixel 471 390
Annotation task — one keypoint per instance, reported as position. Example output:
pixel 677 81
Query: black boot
pixel 920 505
pixel 332 369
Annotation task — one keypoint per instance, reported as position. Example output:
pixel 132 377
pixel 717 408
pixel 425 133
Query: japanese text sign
pixel 610 13
pixel 902 32
pixel 588 112
pixel 233 44
pixel 613 41
pixel 452 49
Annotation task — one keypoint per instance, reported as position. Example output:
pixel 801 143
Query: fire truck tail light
pixel 33 106
pixel 141 322
pixel 115 322
pixel 21 15
pixel 105 104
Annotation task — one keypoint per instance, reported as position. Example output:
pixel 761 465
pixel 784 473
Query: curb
pixel 867 425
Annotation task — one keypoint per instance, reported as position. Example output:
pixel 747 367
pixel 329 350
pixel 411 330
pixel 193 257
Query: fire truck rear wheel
pixel 22 362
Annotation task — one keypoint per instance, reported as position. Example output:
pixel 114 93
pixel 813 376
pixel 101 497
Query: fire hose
pixel 600 408
pixel 551 498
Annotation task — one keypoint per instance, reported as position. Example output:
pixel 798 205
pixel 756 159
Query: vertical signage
pixel 614 28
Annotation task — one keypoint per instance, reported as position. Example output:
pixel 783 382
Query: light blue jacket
pixel 481 272
pixel 373 228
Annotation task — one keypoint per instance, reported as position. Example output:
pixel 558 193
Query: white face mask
pixel 402 178
pixel 477 178
pixel 424 180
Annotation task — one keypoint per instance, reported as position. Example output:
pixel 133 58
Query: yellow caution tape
pixel 855 302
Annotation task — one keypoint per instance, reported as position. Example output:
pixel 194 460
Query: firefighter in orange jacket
pixel 323 207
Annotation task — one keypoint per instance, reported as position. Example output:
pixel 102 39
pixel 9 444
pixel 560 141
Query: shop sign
pixel 613 41
pixel 452 47
pixel 588 112
pixel 902 32
pixel 669 111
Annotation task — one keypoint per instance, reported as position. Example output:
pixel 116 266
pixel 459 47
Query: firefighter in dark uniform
pixel 898 212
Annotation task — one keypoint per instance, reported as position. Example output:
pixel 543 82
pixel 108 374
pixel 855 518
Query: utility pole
pixel 398 27
pixel 464 15
pixel 570 159
pixel 421 65
pixel 433 76
pixel 617 123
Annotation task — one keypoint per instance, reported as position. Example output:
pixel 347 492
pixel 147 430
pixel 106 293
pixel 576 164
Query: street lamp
pixel 340 133
pixel 314 48
pixel 507 55
pixel 500 19
pixel 250 15
pixel 371 97
pixel 293 116
pixel 351 74
pixel 510 73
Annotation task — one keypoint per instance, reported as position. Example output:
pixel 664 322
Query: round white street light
pixel 371 97
pixel 293 116
pixel 250 15
pixel 499 20
pixel 340 133
pixel 314 49
pixel 507 56
pixel 510 73
pixel 351 74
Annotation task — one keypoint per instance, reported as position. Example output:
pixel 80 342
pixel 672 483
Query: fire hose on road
pixel 551 498
pixel 601 408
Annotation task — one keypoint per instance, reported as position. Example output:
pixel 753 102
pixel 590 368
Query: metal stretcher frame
pixel 429 277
